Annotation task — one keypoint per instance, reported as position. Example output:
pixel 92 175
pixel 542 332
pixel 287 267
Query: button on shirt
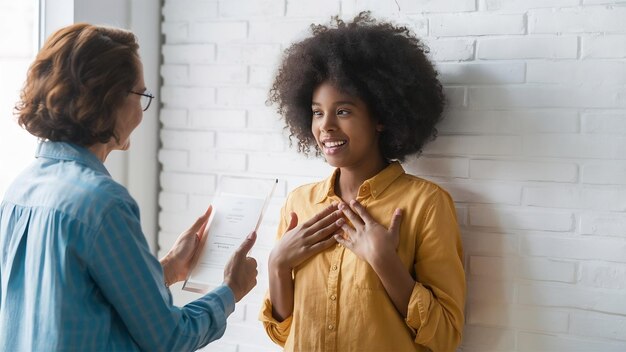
pixel 340 303
pixel 76 272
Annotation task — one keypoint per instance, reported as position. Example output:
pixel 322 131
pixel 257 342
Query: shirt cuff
pixel 276 330
pixel 227 297
pixel 418 308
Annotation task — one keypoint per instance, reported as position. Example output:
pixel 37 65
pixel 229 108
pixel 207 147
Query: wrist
pixel 168 277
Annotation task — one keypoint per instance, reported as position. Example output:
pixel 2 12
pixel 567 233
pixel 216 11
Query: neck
pixel 100 150
pixel 350 179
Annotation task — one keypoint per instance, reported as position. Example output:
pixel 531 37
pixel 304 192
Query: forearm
pixel 281 292
pixel 395 279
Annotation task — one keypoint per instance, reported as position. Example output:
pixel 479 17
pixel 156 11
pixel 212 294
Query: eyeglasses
pixel 146 99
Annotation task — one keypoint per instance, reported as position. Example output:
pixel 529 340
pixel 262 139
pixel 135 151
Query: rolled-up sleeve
pixel 276 330
pixel 435 311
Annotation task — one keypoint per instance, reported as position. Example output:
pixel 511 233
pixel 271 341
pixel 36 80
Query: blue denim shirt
pixel 76 272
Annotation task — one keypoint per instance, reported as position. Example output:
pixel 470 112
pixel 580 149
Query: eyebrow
pixel 336 103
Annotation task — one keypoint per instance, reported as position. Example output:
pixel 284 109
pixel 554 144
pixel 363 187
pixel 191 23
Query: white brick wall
pixel 532 149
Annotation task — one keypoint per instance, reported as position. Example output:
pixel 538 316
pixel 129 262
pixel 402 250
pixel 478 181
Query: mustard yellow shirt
pixel 340 303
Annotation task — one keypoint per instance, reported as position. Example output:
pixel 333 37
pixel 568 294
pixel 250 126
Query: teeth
pixel 334 144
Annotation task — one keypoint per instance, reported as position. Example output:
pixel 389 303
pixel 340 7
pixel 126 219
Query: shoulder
pixel 423 189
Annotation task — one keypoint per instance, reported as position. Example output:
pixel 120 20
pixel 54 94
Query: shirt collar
pixel 70 152
pixel 375 186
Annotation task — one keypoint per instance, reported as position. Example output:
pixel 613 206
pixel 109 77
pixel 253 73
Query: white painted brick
pixel 492 267
pixel 577 72
pixel 216 161
pixel 450 49
pixel 608 2
pixel 419 6
pixel 578 20
pixel 483 192
pixel 172 202
pixel 605 123
pixel 175 75
pixel 529 342
pixel 523 171
pixel 188 53
pixel 549 121
pixel 175 222
pixel 493 291
pixel 571 248
pixel 603 275
pixel 604 173
pixel 251 8
pixel 281 32
pixel 259 54
pixel 305 8
pixel 488 338
pixel 461 214
pixel 188 140
pixel 189 10
pixel 270 142
pixel 217 74
pixel 564 296
pixel 537 319
pixel 543 96
pixel 603 46
pixel 187 97
pixel 417 24
pixel 599 325
pixel 218 32
pixel 448 167
pixel 174 160
pixel 517 5
pixel 291 164
pixel 512 218
pixel 218 118
pixel 575 146
pixel 565 47
pixel 485 243
pixel 477 23
pixel 262 76
pixel 491 73
pixel 603 224
pixel 474 145
pixel 175 32
pixel 265 118
pixel 241 96
pixel 187 183
pixel 524 268
pixel 605 198
pixel 458 121
pixel 455 96
pixel 173 118
pixel 541 269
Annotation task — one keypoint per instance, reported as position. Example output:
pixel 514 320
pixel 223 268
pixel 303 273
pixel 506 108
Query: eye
pixel 343 112
pixel 317 113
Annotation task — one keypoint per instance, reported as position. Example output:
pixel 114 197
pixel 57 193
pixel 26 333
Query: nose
pixel 328 122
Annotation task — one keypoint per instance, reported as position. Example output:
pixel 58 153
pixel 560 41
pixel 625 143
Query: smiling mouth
pixel 333 144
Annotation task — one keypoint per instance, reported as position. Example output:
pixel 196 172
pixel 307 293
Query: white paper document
pixel 236 213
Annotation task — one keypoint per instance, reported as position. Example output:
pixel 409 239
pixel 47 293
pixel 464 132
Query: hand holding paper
pixel 240 272
pixel 178 261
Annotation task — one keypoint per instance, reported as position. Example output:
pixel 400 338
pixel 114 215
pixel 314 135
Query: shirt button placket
pixel 331 304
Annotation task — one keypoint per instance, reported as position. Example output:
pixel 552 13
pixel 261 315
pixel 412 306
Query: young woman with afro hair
pixel 379 265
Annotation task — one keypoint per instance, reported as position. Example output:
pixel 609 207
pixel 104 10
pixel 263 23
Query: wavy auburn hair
pixel 78 80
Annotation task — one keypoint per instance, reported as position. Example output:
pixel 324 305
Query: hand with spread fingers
pixel 367 238
pixel 300 242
